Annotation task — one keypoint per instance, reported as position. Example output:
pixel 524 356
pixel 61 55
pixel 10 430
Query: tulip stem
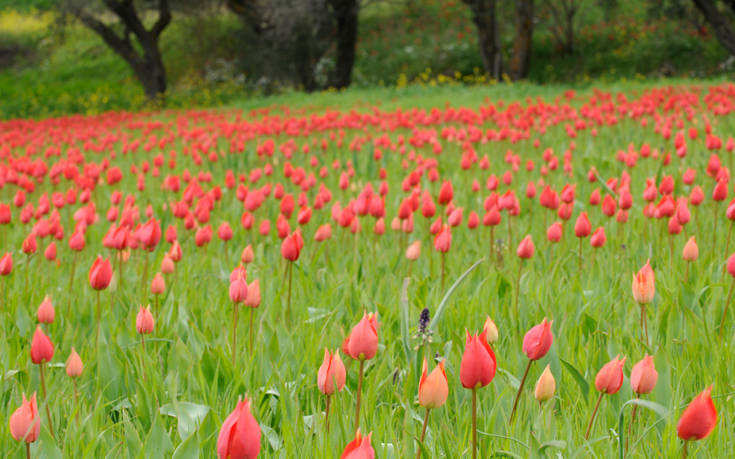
pixel 520 388
pixel 45 400
pixel 76 398
pixel 359 395
pixel 592 419
pixel 580 255
pixel 442 255
pixel 326 414
pixel 686 275
pixel 119 268
pixel 234 333
pixel 492 244
pixel 724 312
pixel 644 322
pixel 145 273
pixel 518 288
pixel 727 247
pixel 252 314
pixel 142 355
pixel 71 282
pixel 423 432
pixel 288 297
pixel 474 423
pixel 630 426
pixel 97 314
pixel 684 450
pixel 28 451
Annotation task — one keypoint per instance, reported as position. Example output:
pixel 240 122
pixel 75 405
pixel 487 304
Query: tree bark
pixel 346 14
pixel 523 43
pixel 484 16
pixel 146 65
pixel 723 29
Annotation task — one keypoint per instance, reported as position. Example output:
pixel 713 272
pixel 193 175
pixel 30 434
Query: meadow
pixel 416 205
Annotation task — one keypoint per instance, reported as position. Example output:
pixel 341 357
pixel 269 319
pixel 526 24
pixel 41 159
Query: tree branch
pixel 164 18
pixel 121 45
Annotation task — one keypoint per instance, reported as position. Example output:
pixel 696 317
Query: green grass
pixel 431 43
pixel 191 386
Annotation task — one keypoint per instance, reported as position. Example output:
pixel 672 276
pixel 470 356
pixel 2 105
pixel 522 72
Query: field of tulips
pixel 542 277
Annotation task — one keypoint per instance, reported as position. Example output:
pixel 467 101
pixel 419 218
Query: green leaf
pixel 47 446
pixel 158 443
pixel 405 337
pixel 583 385
pixel 189 416
pixel 443 304
pixel 653 406
pixel 558 444
pixel 272 436
pixel 188 449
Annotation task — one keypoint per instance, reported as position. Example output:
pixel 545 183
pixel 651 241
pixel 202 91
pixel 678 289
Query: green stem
pixel 45 399
pixel 423 432
pixel 592 418
pixel 520 388
pixel 724 312
pixel 359 395
pixel 234 333
pixel 474 423
pixel 326 415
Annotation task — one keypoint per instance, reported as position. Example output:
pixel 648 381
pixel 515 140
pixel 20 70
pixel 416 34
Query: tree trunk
pixel 485 18
pixel 346 12
pixel 521 60
pixel 152 74
pixel 147 66
pixel 723 29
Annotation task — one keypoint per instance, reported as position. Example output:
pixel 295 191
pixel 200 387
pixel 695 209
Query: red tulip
pixel 290 248
pixel 144 321
pixel 610 377
pixel 359 448
pixel 598 238
pixel 149 234
pixel 525 248
pixel 100 274
pixel 42 350
pixel 582 227
pixel 25 423
pixel 45 312
pixel 643 377
pixel 331 375
pixel 362 342
pixel 443 239
pixel 433 388
pixel 538 340
pixel 644 284
pixel 699 418
pixel 239 437
pixel 158 285
pixel 74 365
pixel 6 264
pixel 252 299
pixel 477 368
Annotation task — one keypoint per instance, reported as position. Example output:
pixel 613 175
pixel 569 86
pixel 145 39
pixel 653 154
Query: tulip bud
pixel 45 312
pixel 414 250
pixel 538 340
pixel 74 364
pixel 100 274
pixel 253 297
pixel 158 285
pixel 545 386
pixel 240 434
pixel 699 418
pixel 362 342
pixel 144 321
pixel 610 377
pixel 42 350
pixel 491 330
pixel 6 264
pixel 644 284
pixel 433 388
pixel 478 365
pixel 643 377
pixel 359 448
pixel 691 251
pixel 525 248
pixel 167 264
pixel 331 376
pixel 25 423
pixel 247 255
